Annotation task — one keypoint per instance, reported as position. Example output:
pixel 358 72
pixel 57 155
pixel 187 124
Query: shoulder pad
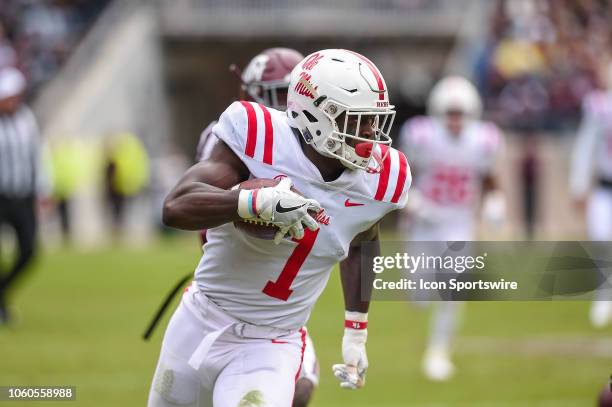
pixel 246 127
pixel 491 136
pixel 205 143
pixel 395 178
pixel 418 130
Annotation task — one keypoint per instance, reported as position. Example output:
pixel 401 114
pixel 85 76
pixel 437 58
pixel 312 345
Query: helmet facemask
pixel 266 77
pixel 269 93
pixel 345 142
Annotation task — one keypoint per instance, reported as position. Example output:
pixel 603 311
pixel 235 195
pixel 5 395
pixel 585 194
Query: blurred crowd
pixel 541 58
pixel 38 35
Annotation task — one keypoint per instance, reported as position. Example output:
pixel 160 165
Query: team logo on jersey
pixel 322 218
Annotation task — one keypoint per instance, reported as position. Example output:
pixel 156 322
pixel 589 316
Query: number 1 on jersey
pixel 281 287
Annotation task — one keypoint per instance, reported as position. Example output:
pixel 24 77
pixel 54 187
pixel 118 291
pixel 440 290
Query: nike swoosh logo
pixel 348 203
pixel 282 209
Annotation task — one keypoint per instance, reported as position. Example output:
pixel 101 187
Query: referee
pixel 19 177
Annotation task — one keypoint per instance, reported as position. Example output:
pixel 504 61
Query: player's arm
pixel 493 201
pixel 489 183
pixel 352 372
pixel 351 273
pixel 581 165
pixel 203 197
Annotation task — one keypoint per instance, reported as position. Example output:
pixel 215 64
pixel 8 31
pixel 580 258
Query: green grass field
pixel 80 317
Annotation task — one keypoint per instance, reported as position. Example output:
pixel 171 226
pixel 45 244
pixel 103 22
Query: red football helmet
pixel 266 78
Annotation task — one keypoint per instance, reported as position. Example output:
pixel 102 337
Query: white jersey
pixel 449 170
pixel 259 282
pixel 593 149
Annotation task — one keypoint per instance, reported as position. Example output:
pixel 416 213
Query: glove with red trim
pixel 352 372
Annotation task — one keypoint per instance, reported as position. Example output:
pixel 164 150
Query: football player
pixel 592 157
pixel 237 339
pixel 265 80
pixel 452 155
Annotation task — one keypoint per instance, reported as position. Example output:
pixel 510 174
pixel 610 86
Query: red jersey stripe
pixel 401 180
pixel 303 332
pixel 269 136
pixel 251 129
pixel 377 76
pixel 383 180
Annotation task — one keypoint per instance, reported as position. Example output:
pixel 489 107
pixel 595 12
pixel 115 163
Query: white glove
pixel 281 207
pixel 494 209
pixel 352 372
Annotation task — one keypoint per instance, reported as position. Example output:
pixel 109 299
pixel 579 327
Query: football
pixel 260 228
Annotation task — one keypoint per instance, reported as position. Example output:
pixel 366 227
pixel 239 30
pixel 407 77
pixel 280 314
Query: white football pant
pixel 599 215
pixel 599 227
pixel 446 314
pixel 208 358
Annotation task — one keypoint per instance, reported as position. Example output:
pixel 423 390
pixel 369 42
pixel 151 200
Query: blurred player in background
pixel 265 80
pixel 452 154
pixel 21 177
pixel 592 158
pixel 126 174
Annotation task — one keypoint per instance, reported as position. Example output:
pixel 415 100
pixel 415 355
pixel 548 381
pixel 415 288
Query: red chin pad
pixel 364 150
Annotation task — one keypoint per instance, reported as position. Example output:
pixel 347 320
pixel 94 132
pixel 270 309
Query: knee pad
pixel 176 387
pixel 253 398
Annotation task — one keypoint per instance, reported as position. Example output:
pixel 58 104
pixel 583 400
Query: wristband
pixel 355 320
pixel 355 324
pixel 247 203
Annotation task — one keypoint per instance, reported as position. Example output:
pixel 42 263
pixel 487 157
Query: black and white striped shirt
pixel 19 154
